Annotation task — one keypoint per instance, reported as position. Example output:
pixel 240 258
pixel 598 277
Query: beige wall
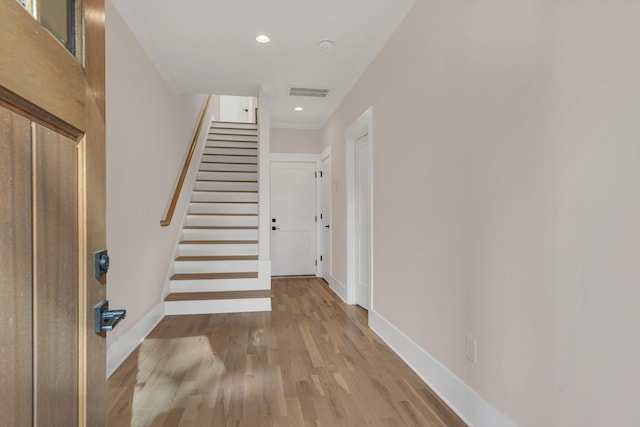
pixel 507 201
pixel 300 141
pixel 149 130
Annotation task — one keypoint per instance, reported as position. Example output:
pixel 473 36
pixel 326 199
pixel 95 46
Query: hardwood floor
pixel 312 361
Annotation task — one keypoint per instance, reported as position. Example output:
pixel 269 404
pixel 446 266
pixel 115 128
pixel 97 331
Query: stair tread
pixel 219 242
pixel 225 191
pixel 219 227
pixel 226 163
pixel 234 148
pixel 231 203
pixel 200 170
pixel 223 180
pixel 200 296
pixel 221 214
pixel 232 155
pixel 219 258
pixel 212 276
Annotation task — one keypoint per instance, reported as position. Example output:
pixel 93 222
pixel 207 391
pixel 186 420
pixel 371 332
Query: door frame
pixel 305 158
pixel 362 126
pixel 326 275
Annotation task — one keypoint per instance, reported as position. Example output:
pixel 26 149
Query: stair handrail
pixel 185 168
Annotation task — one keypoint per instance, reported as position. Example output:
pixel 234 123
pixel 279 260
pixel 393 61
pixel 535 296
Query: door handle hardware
pixel 105 319
pixel 100 263
pixel 326 226
pixel 275 228
pixel 273 220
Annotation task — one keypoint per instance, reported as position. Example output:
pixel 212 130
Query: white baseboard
pixel 473 409
pixel 337 287
pixel 120 349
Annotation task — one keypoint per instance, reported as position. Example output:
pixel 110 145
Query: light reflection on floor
pixel 175 372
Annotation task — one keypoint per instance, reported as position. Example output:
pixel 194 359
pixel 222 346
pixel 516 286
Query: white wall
pixel 507 202
pixel 303 141
pixel 149 130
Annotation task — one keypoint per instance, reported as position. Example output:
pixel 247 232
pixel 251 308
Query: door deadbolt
pixel 101 263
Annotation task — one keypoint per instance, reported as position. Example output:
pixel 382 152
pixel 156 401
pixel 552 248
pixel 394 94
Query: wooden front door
pixel 52 215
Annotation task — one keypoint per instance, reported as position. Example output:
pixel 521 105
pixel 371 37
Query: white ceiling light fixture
pixel 298 108
pixel 263 38
pixel 325 45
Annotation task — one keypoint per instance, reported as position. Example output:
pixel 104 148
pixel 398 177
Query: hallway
pixel 312 361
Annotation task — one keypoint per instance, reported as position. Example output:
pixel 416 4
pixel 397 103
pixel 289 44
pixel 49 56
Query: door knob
pixel 104 319
pixel 275 228
pixel 326 226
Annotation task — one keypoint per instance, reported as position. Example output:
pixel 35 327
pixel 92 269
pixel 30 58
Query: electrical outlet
pixel 471 348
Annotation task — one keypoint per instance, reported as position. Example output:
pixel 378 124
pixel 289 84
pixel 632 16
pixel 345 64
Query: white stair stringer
pixel 217 268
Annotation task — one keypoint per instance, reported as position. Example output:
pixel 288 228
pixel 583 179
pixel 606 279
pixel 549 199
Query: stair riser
pixel 223 151
pixel 217 285
pixel 217 250
pixel 184 267
pixel 220 137
pixel 199 234
pixel 229 159
pixel 228 176
pixel 248 186
pixel 222 221
pixel 217 306
pixel 233 130
pixel 234 125
pixel 227 167
pixel 211 143
pixel 201 196
pixel 223 208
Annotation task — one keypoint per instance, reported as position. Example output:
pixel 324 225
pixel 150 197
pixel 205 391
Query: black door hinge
pixel 320 257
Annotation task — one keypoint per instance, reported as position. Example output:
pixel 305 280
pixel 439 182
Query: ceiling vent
pixel 307 91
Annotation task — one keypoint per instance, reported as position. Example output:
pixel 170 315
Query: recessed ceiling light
pixel 298 108
pixel 262 38
pixel 325 45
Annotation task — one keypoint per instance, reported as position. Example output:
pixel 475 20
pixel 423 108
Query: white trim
pixel 126 343
pixel 264 275
pixel 244 305
pixel 469 405
pixel 362 126
pixel 325 155
pixel 264 175
pixel 338 288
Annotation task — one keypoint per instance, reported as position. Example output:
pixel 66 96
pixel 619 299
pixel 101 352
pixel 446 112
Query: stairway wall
pixel 149 130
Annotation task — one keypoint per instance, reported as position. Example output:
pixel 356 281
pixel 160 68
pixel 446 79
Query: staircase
pixel 216 269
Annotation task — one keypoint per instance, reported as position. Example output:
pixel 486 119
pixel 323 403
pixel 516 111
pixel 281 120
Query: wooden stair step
pixel 225 163
pixel 220 227
pixel 222 180
pixel 220 214
pixel 226 171
pixel 224 191
pixel 201 296
pixel 230 155
pixel 229 203
pixel 210 276
pixel 219 258
pixel 219 242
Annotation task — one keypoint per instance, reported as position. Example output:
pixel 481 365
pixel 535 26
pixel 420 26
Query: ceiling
pixel 209 46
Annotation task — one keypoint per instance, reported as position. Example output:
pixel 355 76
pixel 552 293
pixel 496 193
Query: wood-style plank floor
pixel 312 361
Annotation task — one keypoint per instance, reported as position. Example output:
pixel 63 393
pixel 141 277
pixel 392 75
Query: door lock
pixel 100 263
pixel 105 319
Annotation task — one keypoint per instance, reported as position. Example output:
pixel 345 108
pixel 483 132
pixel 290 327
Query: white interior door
pixel 293 207
pixel 363 221
pixel 325 217
pixel 236 108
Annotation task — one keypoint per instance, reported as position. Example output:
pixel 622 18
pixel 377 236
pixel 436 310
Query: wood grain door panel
pixel 16 277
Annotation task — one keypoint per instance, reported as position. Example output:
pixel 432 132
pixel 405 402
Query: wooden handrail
pixel 185 168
